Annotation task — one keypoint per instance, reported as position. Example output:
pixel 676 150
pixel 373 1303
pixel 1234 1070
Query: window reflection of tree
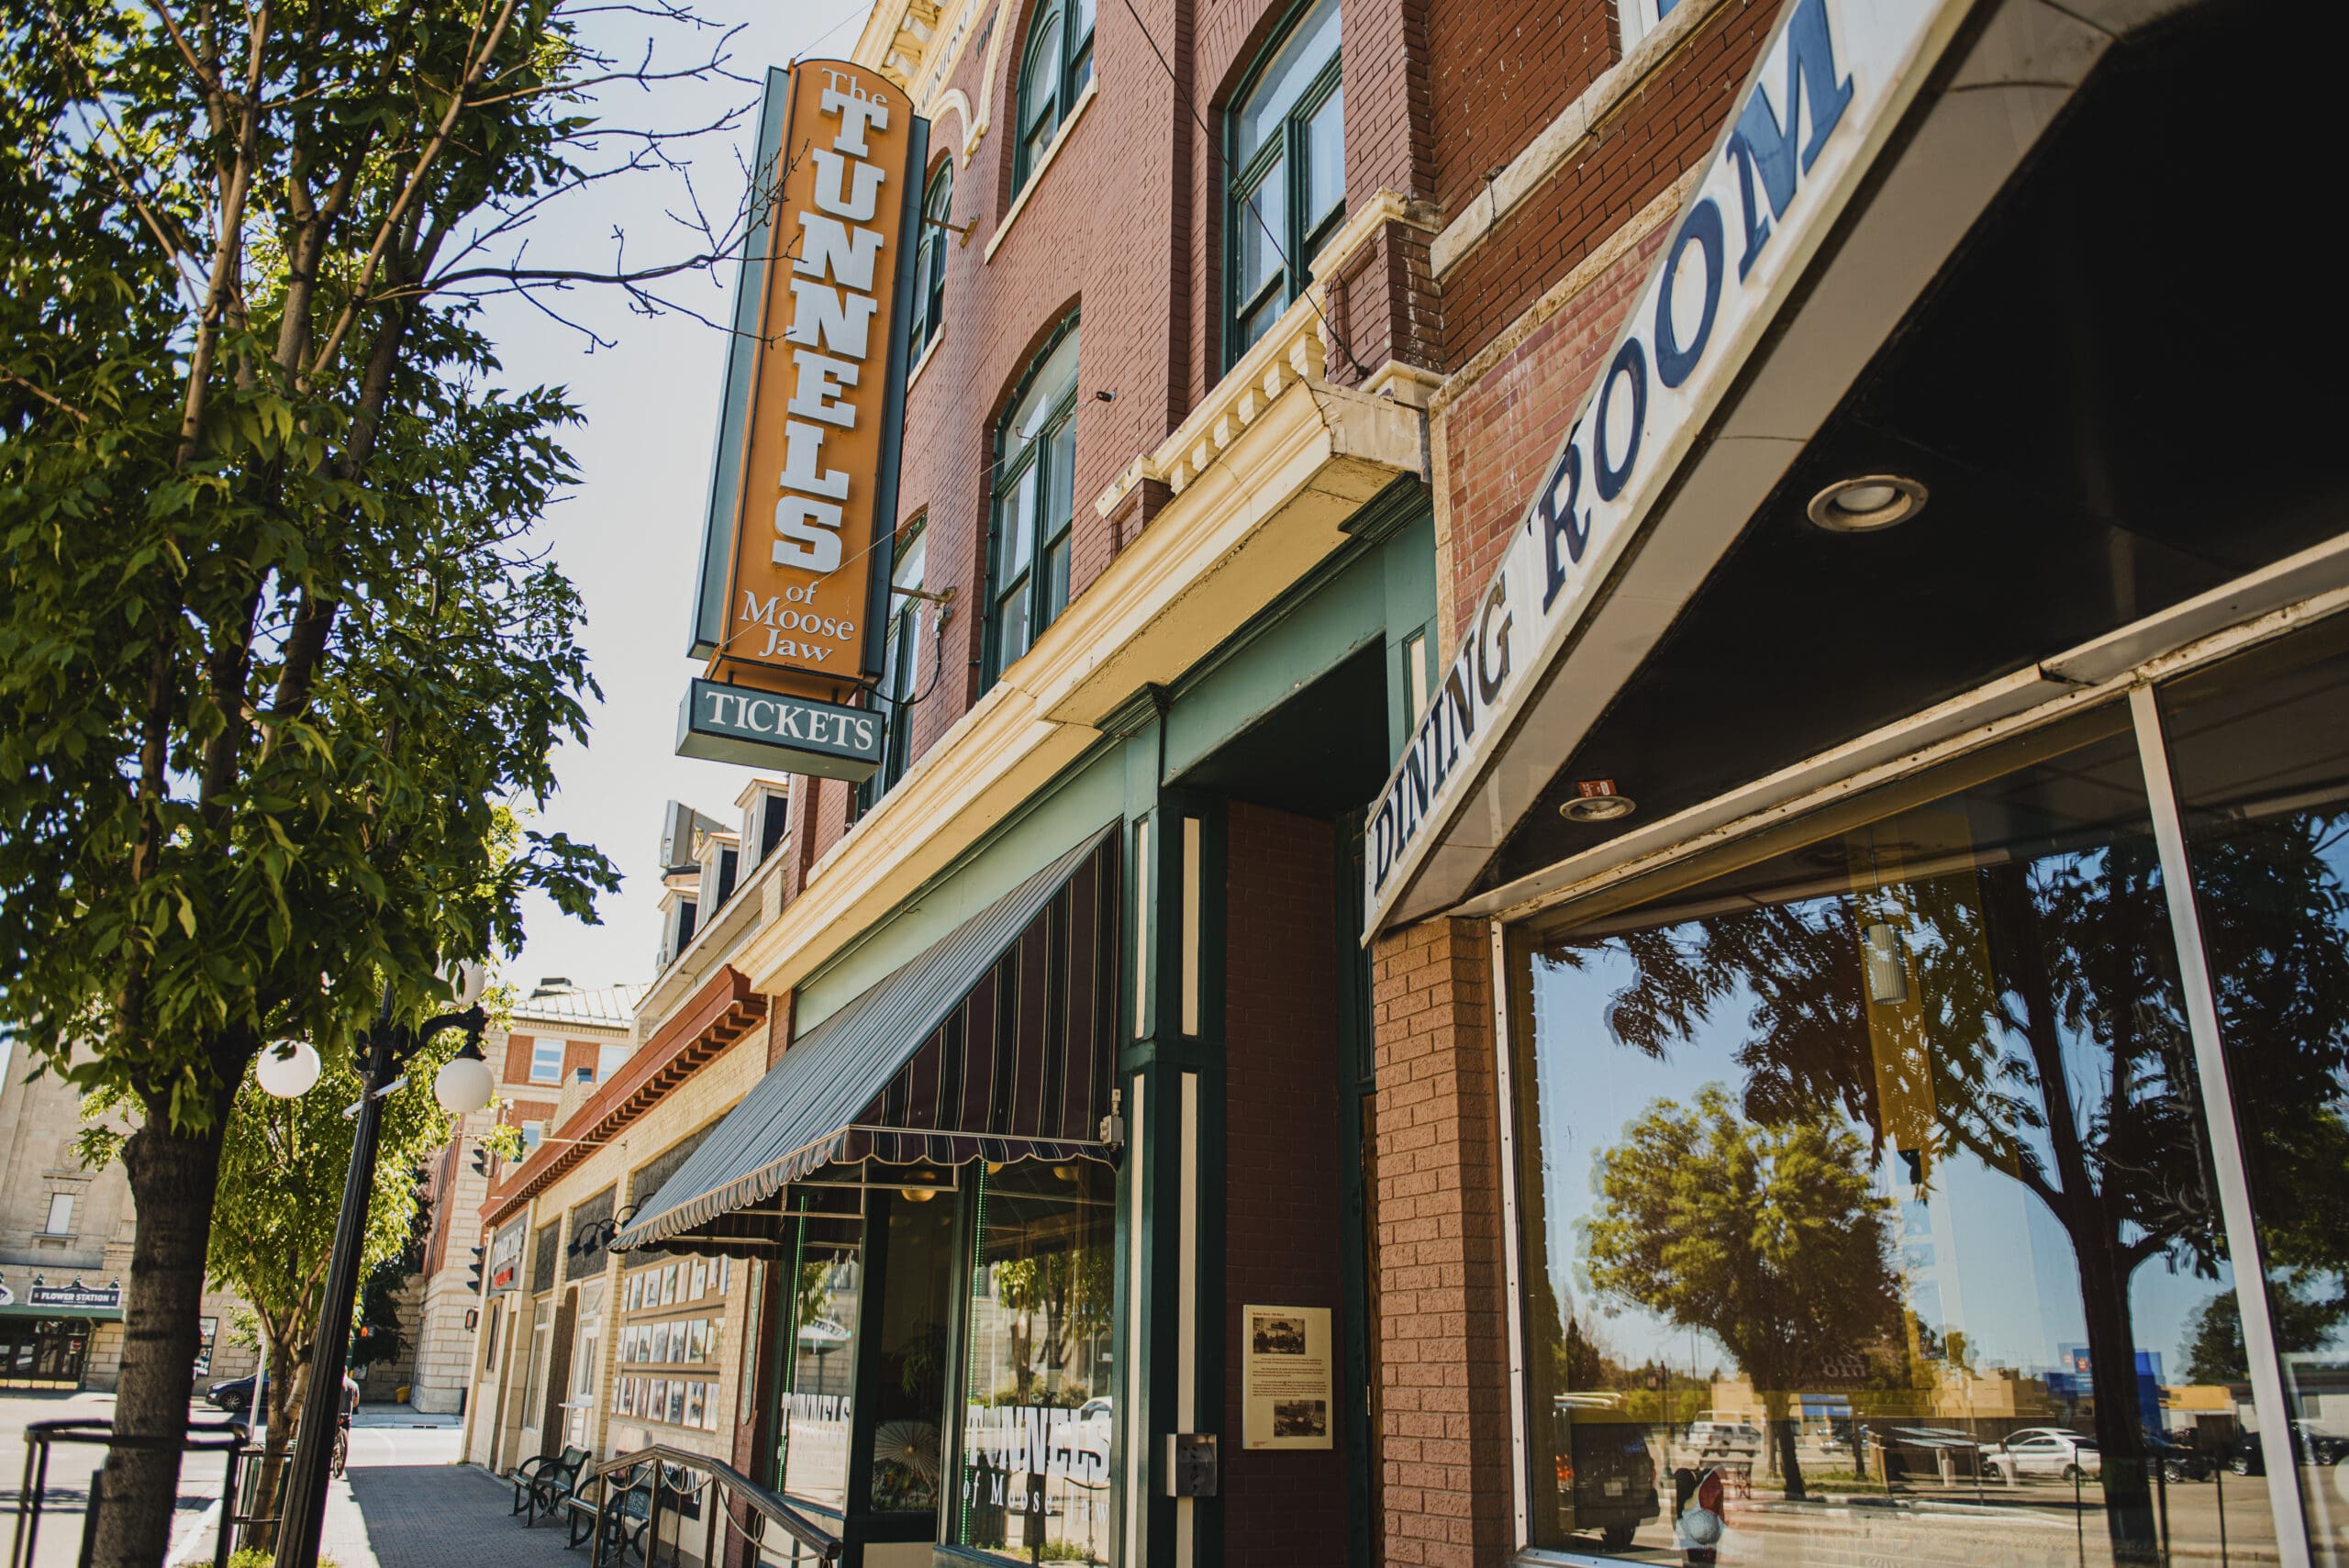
pixel 2041 1033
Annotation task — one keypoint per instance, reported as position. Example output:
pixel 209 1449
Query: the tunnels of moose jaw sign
pixel 1783 169
pixel 794 573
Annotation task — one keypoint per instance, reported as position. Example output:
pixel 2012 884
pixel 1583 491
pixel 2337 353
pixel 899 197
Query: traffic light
pixel 472 1272
pixel 481 1161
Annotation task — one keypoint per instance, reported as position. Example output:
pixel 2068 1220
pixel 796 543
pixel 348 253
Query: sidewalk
pixel 420 1515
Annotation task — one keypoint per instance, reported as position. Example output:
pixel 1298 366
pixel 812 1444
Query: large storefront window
pixel 2259 748
pixel 1038 1370
pixel 1863 1185
pixel 820 1377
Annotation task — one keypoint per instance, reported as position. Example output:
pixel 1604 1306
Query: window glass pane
pixel 915 1308
pixel 1259 321
pixel 1052 380
pixel 1059 477
pixel 1055 584
pixel 1263 223
pixel 1083 20
pixel 1867 1181
pixel 2260 751
pixel 1039 1366
pixel 1015 538
pixel 1325 163
pixel 1309 49
pixel 812 1463
pixel 1039 91
pixel 546 1061
pixel 1011 615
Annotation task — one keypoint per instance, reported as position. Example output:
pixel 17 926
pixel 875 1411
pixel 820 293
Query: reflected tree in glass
pixel 2022 1012
pixel 1771 1238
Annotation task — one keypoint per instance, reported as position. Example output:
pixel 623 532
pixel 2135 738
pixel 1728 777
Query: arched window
pixel 929 258
pixel 1035 490
pixel 901 676
pixel 1053 69
pixel 1288 173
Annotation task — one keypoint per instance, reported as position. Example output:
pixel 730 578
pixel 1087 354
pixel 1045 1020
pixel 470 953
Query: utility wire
pixel 1216 146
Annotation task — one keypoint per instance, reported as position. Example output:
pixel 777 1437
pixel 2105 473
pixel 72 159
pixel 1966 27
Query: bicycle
pixel 342 1448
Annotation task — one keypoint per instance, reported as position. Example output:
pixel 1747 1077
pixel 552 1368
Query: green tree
pixel 1771 1239
pixel 275 643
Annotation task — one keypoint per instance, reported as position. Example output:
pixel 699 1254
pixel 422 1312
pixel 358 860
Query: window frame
pixel 1069 72
pixel 59 1201
pixel 929 260
pixel 539 1046
pixel 1009 472
pixel 900 668
pixel 1301 232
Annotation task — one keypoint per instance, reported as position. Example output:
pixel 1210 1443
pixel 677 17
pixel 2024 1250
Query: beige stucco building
pixel 65 1233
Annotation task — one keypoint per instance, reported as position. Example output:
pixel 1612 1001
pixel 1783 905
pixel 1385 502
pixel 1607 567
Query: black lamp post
pixel 463 1085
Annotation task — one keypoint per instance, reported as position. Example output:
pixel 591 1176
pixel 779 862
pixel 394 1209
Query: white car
pixel 2034 1452
pixel 1729 1435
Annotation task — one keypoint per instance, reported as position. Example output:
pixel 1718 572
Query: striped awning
pixel 995 1044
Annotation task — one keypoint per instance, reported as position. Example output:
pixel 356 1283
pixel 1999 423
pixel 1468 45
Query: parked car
pixel 233 1395
pixel 2180 1460
pixel 1717 1435
pixel 2038 1452
pixel 2311 1444
pixel 1606 1473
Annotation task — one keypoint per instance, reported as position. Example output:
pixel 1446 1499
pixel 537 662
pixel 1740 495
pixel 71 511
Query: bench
pixel 541 1484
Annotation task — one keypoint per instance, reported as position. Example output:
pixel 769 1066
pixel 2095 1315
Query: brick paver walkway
pixel 440 1516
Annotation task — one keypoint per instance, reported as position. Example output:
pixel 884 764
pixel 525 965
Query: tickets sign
pixel 796 552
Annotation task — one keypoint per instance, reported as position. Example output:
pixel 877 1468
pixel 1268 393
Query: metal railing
pixel 727 1486
pixel 229 1438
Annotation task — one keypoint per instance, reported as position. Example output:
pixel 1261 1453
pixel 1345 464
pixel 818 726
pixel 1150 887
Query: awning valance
pixel 994 1044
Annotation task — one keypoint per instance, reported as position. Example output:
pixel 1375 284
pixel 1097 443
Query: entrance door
pixel 43 1352
pixel 579 1409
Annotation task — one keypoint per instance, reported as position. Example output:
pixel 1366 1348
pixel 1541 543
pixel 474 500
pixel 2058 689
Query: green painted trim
pixel 1357 1081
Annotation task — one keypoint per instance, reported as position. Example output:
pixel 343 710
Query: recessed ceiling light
pixel 1869 501
pixel 1596 800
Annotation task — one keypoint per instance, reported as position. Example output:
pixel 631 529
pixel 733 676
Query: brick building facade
pixel 1636 337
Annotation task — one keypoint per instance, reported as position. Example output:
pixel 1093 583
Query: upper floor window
pixel 1053 69
pixel 546 1061
pixel 61 1214
pixel 1288 173
pixel 1034 491
pixel 929 258
pixel 901 670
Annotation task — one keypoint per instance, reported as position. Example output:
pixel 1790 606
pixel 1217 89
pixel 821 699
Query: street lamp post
pixel 463 1085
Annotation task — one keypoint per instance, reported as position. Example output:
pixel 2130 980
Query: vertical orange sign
pixel 819 477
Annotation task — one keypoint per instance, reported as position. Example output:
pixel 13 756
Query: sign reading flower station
pixel 795 551
pixel 77 1297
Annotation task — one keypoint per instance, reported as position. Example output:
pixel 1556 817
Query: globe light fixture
pixel 288 1069
pixel 465 1084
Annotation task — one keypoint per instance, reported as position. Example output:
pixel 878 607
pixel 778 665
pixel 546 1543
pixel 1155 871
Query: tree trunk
pixel 282 1403
pixel 1782 1439
pixel 172 1177
pixel 2112 1376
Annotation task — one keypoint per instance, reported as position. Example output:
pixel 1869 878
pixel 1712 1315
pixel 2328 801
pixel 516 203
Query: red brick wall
pixel 1498 73
pixel 1443 1386
pixel 1655 136
pixel 1501 430
pixel 1281 1164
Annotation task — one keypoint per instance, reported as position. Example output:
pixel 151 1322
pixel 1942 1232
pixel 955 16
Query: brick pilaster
pixel 1442 1319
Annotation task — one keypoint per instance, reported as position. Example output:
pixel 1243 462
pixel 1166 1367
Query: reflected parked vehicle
pixel 2311 1444
pixel 1921 1453
pixel 1606 1472
pixel 1717 1435
pixel 2041 1453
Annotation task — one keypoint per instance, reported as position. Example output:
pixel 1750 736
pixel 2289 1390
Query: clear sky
pixel 630 534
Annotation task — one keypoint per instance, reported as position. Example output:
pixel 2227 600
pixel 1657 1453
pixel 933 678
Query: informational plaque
pixel 1286 1384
